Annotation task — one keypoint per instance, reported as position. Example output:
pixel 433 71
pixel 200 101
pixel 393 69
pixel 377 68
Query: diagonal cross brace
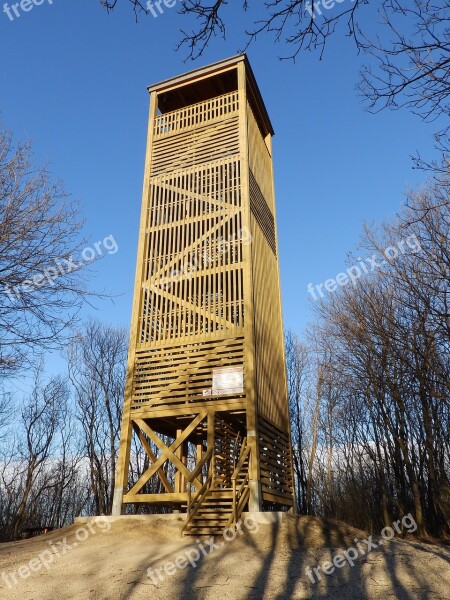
pixel 167 452
pixel 153 458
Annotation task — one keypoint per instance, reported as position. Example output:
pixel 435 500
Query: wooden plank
pixel 164 499
pixel 283 499
pixel 173 345
pixel 188 409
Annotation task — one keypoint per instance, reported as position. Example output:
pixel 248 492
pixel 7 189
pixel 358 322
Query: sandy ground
pixel 112 563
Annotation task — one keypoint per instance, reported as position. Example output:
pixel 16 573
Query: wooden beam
pixel 188 408
pixel 164 499
pixel 126 428
pixel 167 453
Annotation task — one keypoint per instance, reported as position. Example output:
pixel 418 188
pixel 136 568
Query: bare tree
pixel 412 69
pixel 297 367
pixel 407 43
pixel 41 479
pixel 42 282
pixel 313 449
pixel 382 440
pixel 414 66
pixel 296 22
pixel 97 367
pixel 5 411
pixel 41 418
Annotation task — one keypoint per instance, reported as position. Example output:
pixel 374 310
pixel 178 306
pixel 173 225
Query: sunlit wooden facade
pixel 206 379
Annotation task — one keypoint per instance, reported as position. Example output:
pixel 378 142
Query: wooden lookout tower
pixel 206 392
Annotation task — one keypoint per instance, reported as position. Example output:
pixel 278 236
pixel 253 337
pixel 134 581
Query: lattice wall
pixel 275 464
pixel 193 283
pixel 268 328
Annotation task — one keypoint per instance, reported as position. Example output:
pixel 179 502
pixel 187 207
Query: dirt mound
pixel 137 559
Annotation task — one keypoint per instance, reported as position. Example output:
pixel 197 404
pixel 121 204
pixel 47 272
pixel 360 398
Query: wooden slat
pixel 283 499
pixel 276 466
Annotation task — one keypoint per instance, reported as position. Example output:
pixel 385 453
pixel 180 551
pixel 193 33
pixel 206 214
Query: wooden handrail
pixel 197 501
pixel 235 446
pixel 242 491
pixel 201 492
pixel 199 467
pixel 243 485
pixel 241 463
pixel 183 119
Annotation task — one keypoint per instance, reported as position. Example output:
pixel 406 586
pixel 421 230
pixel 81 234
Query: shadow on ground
pixel 268 564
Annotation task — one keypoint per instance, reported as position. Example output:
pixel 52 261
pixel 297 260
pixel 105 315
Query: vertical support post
pixel 210 443
pixel 188 510
pixel 199 456
pixel 268 142
pixel 127 429
pixel 184 460
pixel 179 479
pixel 255 502
pixel 179 455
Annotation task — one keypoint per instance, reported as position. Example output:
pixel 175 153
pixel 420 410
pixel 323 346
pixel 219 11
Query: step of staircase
pixel 213 515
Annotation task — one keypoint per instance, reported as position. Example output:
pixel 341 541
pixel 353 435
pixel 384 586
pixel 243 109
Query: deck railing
pixel 196 114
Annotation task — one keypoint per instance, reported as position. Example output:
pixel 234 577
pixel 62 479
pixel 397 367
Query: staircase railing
pixel 241 489
pixel 195 502
pixel 236 442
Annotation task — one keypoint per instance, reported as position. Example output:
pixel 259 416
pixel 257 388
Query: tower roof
pixel 210 81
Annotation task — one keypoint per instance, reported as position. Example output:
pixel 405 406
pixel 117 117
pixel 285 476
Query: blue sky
pixel 73 80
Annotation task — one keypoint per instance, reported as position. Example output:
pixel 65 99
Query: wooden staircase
pixel 217 506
